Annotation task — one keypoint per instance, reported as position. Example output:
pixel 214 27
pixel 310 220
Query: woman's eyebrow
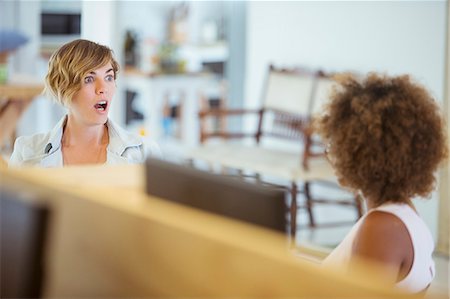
pixel 94 73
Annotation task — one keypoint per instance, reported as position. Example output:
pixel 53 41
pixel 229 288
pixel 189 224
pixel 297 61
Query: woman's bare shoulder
pixel 384 238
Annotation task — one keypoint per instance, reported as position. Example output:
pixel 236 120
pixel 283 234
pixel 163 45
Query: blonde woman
pixel 82 77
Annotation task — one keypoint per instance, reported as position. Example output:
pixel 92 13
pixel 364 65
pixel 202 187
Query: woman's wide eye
pixel 110 78
pixel 89 79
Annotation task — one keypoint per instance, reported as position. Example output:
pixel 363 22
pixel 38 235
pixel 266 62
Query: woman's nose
pixel 100 87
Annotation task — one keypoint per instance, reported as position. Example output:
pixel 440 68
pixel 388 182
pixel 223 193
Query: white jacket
pixel 44 149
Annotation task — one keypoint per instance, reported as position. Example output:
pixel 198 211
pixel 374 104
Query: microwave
pixel 62 24
pixel 57 29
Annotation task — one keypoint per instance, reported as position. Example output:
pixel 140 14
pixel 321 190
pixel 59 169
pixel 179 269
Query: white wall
pixel 98 24
pixel 15 15
pixel 393 37
pixel 237 13
pixel 8 14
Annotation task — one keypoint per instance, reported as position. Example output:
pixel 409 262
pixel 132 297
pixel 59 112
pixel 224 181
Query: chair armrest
pixel 221 114
pixel 311 145
pixel 225 135
pixel 225 112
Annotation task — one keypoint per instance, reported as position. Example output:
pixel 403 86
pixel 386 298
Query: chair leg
pixel 293 210
pixel 309 204
pixel 189 162
pixel 258 177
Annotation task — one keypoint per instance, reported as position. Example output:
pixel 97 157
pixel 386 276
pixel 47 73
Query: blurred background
pixel 178 57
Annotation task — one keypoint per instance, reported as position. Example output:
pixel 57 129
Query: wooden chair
pixel 284 146
pixel 322 88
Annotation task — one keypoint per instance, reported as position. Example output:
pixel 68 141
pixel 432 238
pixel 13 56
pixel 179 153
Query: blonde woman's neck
pixel 76 133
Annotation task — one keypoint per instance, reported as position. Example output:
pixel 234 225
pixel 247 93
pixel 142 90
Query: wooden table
pixel 15 96
pixel 109 239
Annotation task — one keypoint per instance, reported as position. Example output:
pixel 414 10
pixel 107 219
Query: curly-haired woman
pixel 386 137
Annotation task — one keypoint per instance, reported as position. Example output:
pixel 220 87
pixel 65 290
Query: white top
pixel 422 271
pixel 44 149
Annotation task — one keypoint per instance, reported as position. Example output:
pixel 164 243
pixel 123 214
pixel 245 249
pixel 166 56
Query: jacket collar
pixel 55 137
pixel 120 140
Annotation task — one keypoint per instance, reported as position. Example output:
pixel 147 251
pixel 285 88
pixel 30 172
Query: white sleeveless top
pixel 422 270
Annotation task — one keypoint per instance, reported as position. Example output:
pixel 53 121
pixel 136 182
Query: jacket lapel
pixel 52 149
pixel 120 140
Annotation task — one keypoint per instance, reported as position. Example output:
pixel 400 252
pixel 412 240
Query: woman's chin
pixel 99 119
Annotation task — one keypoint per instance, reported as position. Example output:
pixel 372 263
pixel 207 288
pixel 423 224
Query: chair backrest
pixel 323 87
pixel 285 104
pixel 288 91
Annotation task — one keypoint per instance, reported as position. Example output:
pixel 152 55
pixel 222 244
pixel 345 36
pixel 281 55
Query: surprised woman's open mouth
pixel 101 106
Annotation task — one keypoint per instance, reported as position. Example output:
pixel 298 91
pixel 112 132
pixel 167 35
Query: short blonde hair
pixel 70 63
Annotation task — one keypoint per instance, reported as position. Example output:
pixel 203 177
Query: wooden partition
pixel 107 238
